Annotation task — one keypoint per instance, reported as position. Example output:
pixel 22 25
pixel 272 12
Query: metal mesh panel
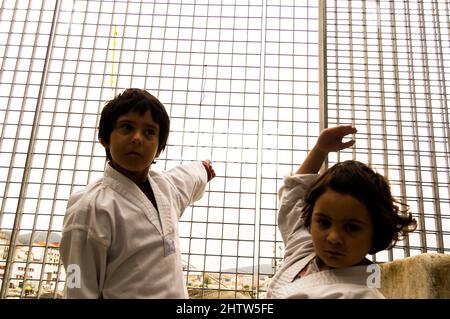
pixel 387 65
pixel 240 81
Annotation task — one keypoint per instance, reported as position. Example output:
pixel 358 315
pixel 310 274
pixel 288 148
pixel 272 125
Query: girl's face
pixel 341 229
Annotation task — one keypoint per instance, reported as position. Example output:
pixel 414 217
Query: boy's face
pixel 134 143
pixel 341 229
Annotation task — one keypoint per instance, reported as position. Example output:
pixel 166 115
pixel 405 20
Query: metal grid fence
pixel 241 84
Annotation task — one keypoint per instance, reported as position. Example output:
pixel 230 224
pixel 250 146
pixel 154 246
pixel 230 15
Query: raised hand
pixel 330 139
pixel 209 169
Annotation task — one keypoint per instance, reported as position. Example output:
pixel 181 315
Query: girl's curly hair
pixel 354 178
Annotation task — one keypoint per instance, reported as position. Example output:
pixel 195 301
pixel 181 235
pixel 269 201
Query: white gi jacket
pixel 348 282
pixel 123 247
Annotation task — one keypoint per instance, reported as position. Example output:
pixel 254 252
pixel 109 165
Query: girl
pixel 329 223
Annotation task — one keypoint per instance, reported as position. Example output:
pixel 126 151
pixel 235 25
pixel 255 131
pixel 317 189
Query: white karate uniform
pixel 351 282
pixel 122 246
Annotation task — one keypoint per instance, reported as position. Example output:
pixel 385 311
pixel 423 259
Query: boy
pixel 120 234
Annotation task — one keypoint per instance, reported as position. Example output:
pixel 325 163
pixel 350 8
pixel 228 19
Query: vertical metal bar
pixel 399 115
pixel 7 111
pixel 85 104
pixel 323 97
pixel 119 58
pixel 191 221
pixel 216 77
pixel 259 158
pixel 31 243
pixel 382 89
pixel 415 124
pixel 255 287
pixel 69 116
pixel 443 99
pixel 136 41
pixel 52 125
pixel 183 142
pixel 382 100
pixel 12 244
pixel 150 47
pixel 437 198
pixel 228 128
pixel 189 63
pixel 102 86
pixel 26 176
pixel 431 139
pixel 367 87
pixel 162 59
pixel 202 95
pixel 351 64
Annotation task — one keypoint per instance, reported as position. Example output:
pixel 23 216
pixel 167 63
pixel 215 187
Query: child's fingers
pixel 347 129
pixel 348 144
pixel 209 169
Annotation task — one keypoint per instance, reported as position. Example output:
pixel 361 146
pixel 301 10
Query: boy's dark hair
pixel 372 189
pixel 133 100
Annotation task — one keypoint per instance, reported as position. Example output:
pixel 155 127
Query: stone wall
pixel 422 276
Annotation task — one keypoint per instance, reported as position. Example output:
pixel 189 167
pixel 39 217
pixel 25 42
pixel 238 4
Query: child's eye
pixel 352 228
pixel 323 223
pixel 150 132
pixel 126 127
